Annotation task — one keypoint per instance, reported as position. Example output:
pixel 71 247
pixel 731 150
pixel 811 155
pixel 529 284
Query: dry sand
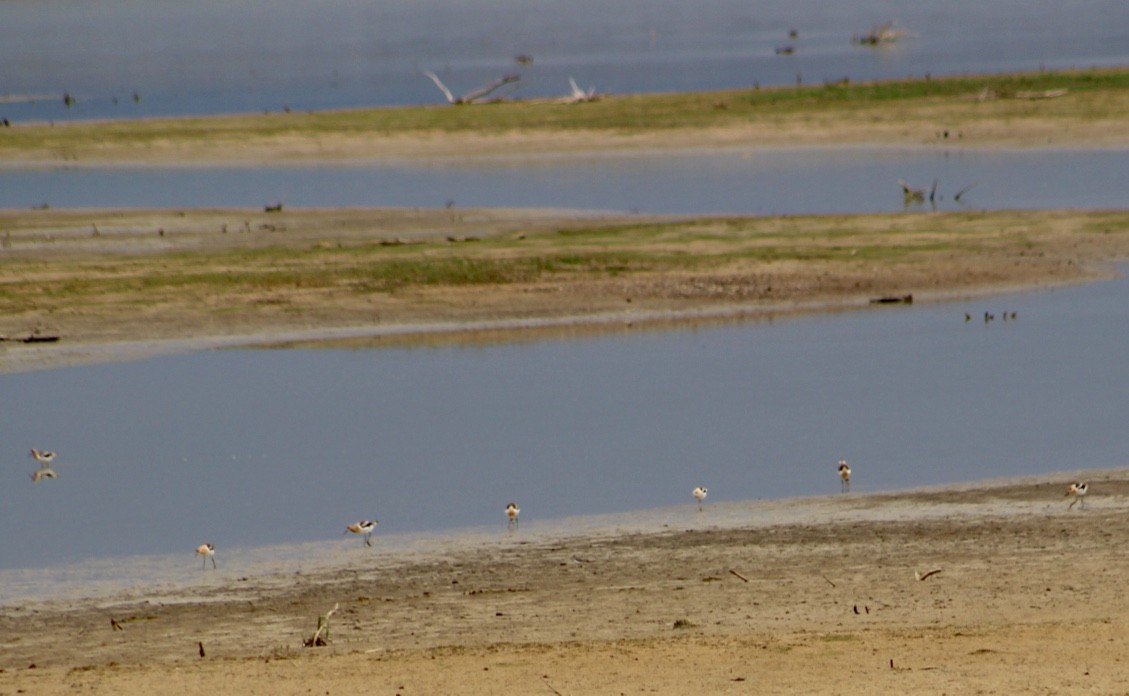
pixel 812 595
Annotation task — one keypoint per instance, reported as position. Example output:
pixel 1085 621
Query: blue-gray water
pixel 213 56
pixel 848 180
pixel 246 448
pixel 250 448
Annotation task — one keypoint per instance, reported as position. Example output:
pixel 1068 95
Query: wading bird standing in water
pixel 512 511
pixel 844 476
pixel 207 551
pixel 700 494
pixel 43 472
pixel 364 527
pixel 1079 491
pixel 43 456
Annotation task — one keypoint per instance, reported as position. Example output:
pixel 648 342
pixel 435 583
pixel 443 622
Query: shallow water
pixel 842 180
pixel 212 56
pixel 269 454
pixel 251 448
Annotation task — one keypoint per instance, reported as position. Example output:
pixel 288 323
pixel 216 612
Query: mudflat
pixel 110 283
pixel 122 284
pixel 997 587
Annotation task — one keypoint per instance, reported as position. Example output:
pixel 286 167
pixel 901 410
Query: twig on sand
pixel 734 572
pixel 922 576
pixel 323 625
pixel 550 686
pixel 829 581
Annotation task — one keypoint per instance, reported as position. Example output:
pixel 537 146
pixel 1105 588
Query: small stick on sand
pixel 550 686
pixel 323 625
pixel 922 576
pixel 738 575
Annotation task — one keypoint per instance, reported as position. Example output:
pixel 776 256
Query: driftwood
pixel 323 627
pixel 963 191
pixel 580 96
pixel 893 299
pixel 32 338
pixel 917 195
pixel 742 577
pixel 883 33
pixel 1043 94
pixel 477 94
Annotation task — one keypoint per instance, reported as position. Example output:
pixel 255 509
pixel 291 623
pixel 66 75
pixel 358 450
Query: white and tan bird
pixel 512 511
pixel 700 494
pixel 207 551
pixel 364 527
pixel 844 476
pixel 1078 491
pixel 43 472
pixel 44 457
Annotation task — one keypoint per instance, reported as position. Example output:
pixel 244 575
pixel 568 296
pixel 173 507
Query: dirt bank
pixel 816 595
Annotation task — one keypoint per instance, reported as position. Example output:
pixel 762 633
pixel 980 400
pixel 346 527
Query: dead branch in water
pixel 471 97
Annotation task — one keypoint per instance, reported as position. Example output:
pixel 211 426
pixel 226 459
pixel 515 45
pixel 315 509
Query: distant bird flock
pixel 364 528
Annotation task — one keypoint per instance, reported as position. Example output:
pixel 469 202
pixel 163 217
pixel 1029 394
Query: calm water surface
pixel 845 180
pixel 253 448
pixel 212 56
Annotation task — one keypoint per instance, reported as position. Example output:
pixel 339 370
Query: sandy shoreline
pixel 813 594
pixel 985 112
pixel 303 277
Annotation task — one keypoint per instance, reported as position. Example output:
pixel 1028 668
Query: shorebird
pixel 43 457
pixel 43 472
pixel 844 476
pixel 364 527
pixel 700 494
pixel 512 511
pixel 1078 490
pixel 207 551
